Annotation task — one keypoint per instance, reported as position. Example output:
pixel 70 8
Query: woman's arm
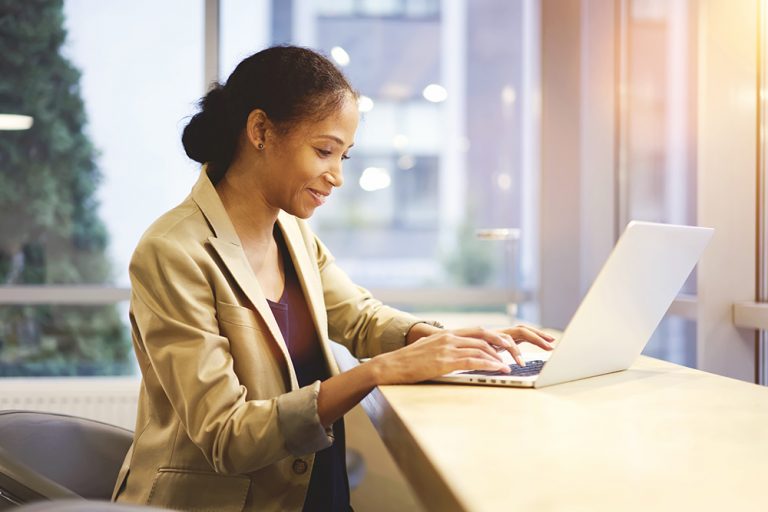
pixel 420 330
pixel 355 318
pixel 426 358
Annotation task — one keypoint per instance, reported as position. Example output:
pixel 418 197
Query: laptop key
pixel 530 368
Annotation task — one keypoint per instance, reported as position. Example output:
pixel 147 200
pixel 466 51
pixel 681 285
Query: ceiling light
pixel 340 55
pixel 435 93
pixel 375 178
pixel 364 104
pixel 15 122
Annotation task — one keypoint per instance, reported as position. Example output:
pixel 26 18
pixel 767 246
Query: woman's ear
pixel 256 128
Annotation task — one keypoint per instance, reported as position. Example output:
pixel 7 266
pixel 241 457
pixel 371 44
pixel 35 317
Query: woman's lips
pixel 318 197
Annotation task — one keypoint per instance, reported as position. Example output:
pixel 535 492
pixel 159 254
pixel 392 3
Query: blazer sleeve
pixel 175 322
pixel 355 318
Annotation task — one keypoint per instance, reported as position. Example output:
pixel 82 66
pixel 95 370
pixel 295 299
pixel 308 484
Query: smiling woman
pixel 313 151
pixel 234 302
pixel 303 94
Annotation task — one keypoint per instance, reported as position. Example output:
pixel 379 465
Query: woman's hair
pixel 290 84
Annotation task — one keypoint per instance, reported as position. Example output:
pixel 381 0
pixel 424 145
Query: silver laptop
pixel 620 312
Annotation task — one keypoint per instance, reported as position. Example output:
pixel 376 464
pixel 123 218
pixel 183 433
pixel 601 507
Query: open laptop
pixel 619 313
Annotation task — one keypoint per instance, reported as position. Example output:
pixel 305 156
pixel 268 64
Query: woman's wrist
pixel 377 370
pixel 422 329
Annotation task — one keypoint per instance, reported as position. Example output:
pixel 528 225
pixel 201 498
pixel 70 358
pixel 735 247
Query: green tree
pixel 472 262
pixel 50 231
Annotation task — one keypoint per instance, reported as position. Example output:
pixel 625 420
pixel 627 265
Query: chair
pixel 85 506
pixel 46 456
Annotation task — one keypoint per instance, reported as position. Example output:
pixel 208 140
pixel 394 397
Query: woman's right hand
pixel 441 353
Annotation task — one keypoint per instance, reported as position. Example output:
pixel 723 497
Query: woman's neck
pixel 253 218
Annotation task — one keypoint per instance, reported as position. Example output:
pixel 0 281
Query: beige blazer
pixel 222 423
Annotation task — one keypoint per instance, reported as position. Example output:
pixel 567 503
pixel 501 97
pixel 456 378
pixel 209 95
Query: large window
pixel 619 142
pixel 446 93
pixel 444 149
pixel 448 147
pixel 101 160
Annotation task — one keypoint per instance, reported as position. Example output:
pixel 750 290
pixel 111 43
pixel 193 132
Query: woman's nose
pixel 335 176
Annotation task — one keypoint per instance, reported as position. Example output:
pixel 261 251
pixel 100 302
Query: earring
pixel 261 145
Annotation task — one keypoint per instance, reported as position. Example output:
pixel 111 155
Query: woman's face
pixel 305 164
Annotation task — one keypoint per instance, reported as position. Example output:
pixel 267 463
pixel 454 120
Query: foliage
pixel 50 231
pixel 472 263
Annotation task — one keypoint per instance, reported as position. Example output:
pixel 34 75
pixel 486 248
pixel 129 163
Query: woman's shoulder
pixel 183 226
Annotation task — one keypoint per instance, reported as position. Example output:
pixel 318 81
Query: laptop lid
pixel 626 302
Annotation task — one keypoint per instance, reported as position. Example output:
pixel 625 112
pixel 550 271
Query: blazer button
pixel 299 466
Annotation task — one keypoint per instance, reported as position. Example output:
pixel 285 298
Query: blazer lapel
pixel 237 264
pixel 227 245
pixel 310 284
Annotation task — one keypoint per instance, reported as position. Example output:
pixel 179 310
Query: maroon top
pixel 328 486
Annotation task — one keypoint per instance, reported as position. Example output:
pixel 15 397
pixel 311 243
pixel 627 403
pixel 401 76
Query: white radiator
pixel 109 399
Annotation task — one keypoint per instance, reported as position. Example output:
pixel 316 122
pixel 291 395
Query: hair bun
pixel 206 138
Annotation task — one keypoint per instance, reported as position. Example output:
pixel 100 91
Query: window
pixel 658 180
pixel 447 92
pixel 439 154
pixel 101 161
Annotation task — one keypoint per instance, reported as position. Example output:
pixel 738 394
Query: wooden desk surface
pixel 655 437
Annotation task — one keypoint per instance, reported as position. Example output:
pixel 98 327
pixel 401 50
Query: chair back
pixel 74 454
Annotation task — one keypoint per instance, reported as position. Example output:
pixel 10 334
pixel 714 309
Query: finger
pixel 491 337
pixel 484 365
pixel 525 334
pixel 539 332
pixel 473 353
pixel 463 342
pixel 516 354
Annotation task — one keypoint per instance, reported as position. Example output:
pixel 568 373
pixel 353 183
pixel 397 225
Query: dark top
pixel 328 485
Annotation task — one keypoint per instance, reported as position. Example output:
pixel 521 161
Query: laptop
pixel 619 313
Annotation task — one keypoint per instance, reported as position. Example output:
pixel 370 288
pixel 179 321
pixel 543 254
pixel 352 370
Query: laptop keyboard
pixel 530 368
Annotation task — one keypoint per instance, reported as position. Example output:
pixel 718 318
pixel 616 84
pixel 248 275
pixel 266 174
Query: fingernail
pixel 521 361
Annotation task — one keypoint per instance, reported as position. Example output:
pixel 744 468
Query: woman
pixel 234 301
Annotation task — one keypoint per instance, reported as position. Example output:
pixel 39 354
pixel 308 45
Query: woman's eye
pixel 323 152
pixel 345 157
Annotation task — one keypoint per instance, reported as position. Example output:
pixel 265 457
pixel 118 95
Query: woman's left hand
pixel 514 335
pixel 524 333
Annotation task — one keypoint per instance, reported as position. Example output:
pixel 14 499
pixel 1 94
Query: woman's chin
pixel 302 213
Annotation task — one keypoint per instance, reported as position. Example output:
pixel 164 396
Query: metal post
pixel 761 256
pixel 212 42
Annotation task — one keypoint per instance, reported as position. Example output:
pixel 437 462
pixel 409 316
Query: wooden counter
pixel 655 437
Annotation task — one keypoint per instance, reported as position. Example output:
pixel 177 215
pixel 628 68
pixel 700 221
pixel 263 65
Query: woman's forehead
pixel 338 127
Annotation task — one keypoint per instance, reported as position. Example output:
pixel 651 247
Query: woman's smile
pixel 318 196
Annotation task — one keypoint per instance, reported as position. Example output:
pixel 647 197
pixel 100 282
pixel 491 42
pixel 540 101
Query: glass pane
pixel 244 28
pixel 380 7
pixel 661 114
pixel 422 7
pixel 660 123
pixel 398 8
pixel 380 236
pixel 52 340
pixel 661 110
pixel 439 152
pixel 674 341
pixel 101 160
pixel 335 8
pixel 103 157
